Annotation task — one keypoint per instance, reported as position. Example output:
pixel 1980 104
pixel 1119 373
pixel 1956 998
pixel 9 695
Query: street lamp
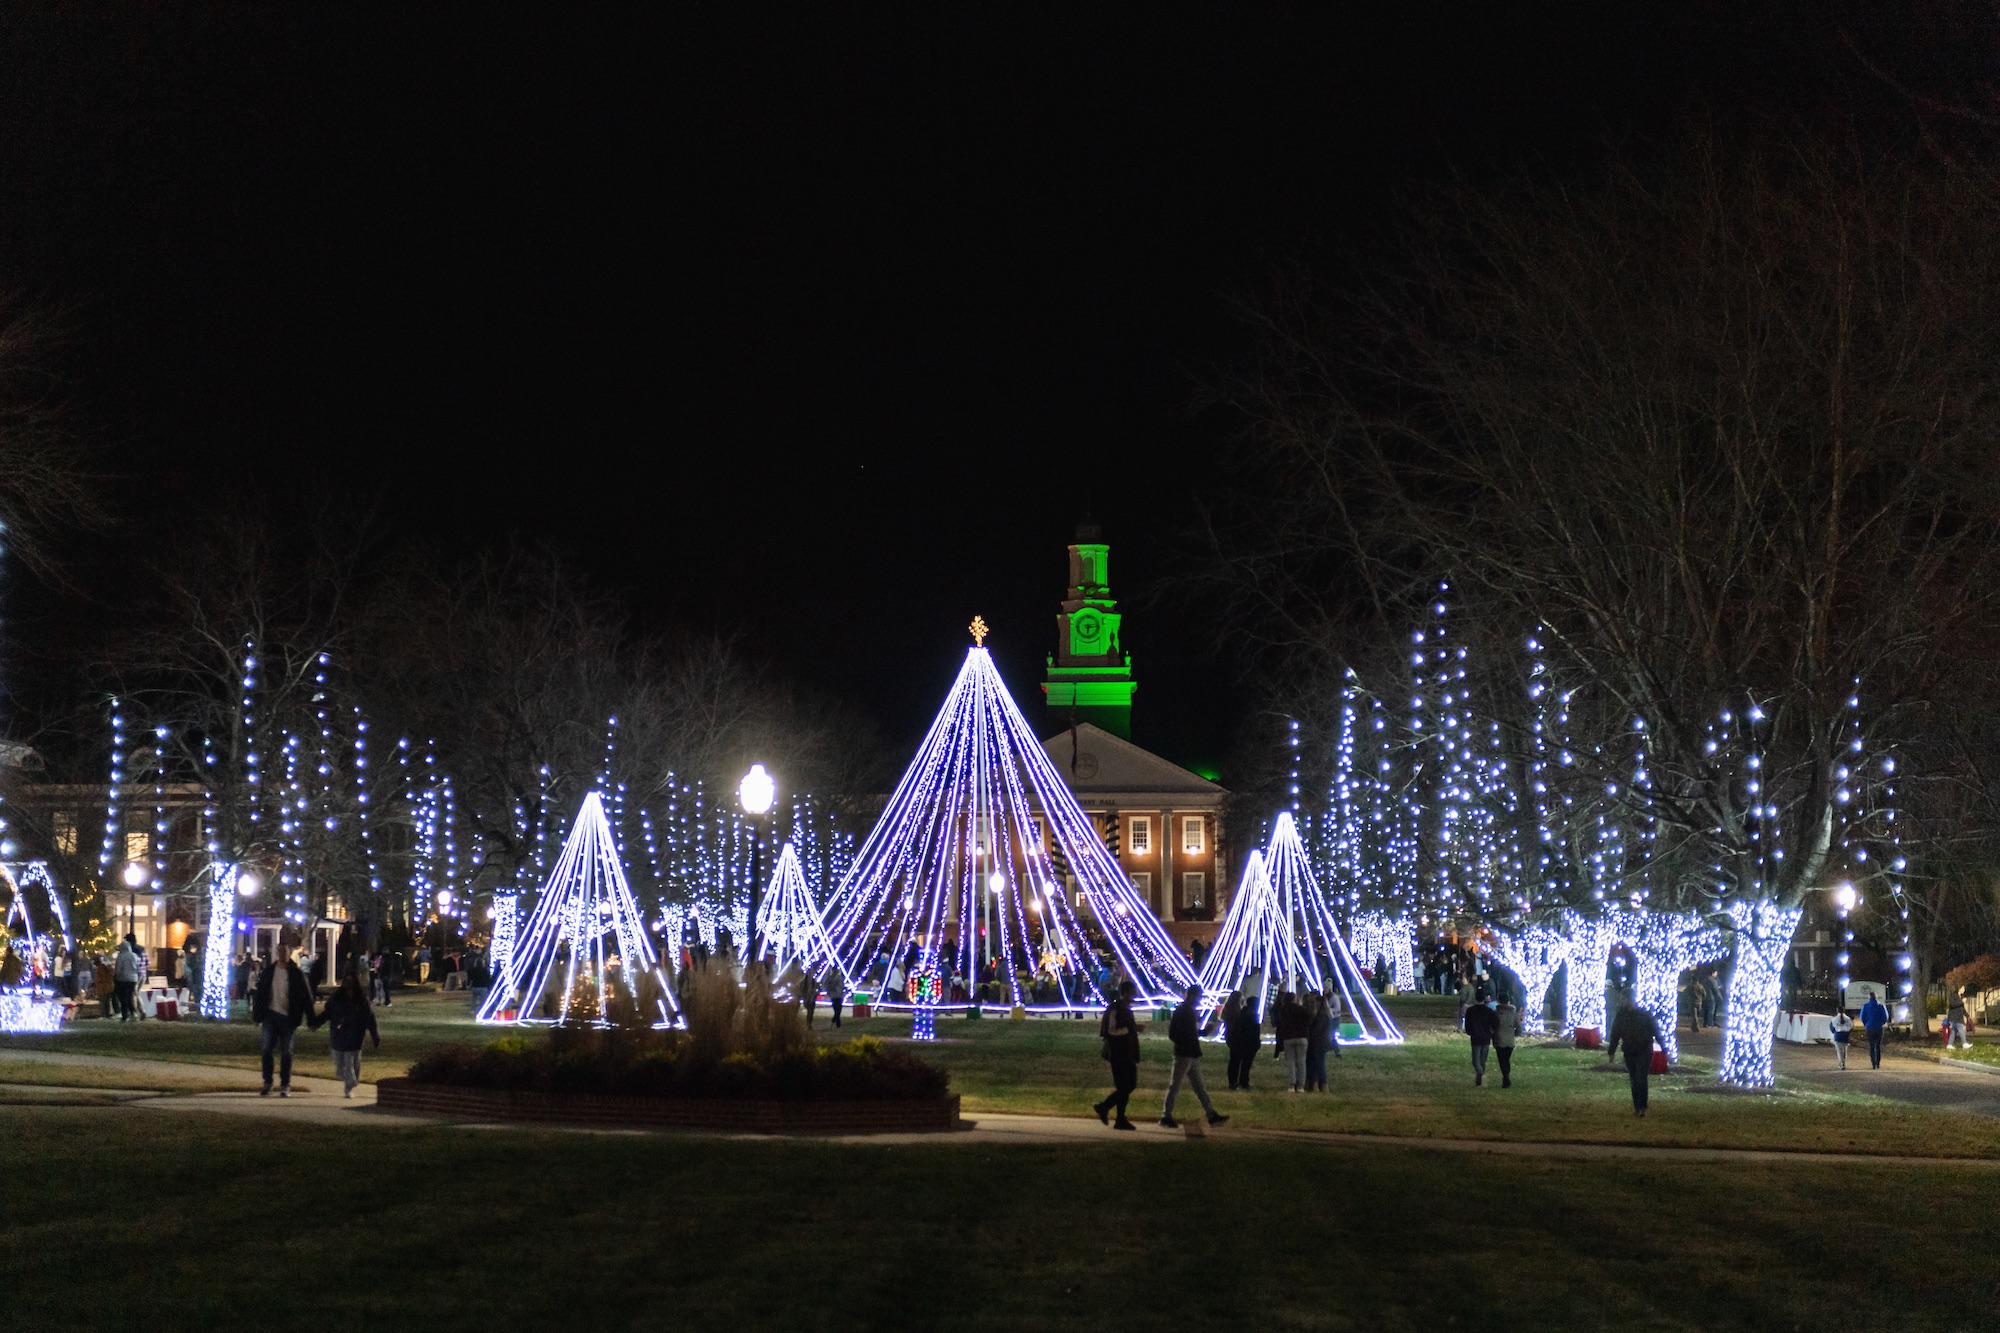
pixel 1844 899
pixel 756 793
pixel 135 876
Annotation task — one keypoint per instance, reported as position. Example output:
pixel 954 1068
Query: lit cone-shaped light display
pixel 1281 935
pixel 960 863
pixel 584 942
pixel 788 922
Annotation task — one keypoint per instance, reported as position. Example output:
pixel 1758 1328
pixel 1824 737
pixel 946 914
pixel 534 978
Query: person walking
pixel 1244 1035
pixel 836 991
pixel 125 977
pixel 1874 1017
pixel 282 1000
pixel 1842 1031
pixel 1507 1026
pixel 1955 1015
pixel 349 1015
pixel 1120 1031
pixel 1482 1024
pixel 808 992
pixel 1636 1030
pixel 1184 1030
pixel 1336 1010
pixel 1294 1035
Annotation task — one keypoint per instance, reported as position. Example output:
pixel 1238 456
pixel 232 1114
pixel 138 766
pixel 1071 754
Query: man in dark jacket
pixel 1874 1017
pixel 1482 1025
pixel 1120 1031
pixel 282 1000
pixel 1184 1029
pixel 1637 1030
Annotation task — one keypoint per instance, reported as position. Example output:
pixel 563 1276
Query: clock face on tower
pixel 1086 630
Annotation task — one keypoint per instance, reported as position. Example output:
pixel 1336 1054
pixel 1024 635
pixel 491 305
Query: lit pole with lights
pixel 756 793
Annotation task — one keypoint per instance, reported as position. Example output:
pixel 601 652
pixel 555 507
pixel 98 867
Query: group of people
pixel 1493 1022
pixel 282 1000
pixel 1874 1018
pixel 1701 998
pixel 1120 1028
pixel 1306 1029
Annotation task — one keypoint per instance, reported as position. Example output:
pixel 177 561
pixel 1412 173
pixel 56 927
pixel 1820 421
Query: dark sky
pixel 825 323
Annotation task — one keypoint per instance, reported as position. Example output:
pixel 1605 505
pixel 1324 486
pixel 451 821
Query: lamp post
pixel 756 793
pixel 1845 900
pixel 136 877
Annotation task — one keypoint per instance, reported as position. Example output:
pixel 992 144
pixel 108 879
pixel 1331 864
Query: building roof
pixel 1109 766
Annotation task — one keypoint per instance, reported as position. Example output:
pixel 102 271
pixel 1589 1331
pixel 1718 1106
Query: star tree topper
pixel 978 628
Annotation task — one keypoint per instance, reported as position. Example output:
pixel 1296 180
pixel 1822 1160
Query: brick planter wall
pixel 758 1117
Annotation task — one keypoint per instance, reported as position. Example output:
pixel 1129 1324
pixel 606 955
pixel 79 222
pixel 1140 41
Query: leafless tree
pixel 47 483
pixel 1724 434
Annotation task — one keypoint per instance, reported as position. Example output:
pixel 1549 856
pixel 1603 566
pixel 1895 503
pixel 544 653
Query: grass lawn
pixel 1051 1067
pixel 38 1073
pixel 1985 1050
pixel 225 1217
pixel 419 1021
pixel 1424 1088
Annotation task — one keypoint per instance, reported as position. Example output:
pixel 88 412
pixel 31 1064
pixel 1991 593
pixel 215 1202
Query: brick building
pixel 1165 821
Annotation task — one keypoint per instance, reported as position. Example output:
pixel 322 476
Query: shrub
pixel 740 1043
pixel 667 1065
pixel 1981 974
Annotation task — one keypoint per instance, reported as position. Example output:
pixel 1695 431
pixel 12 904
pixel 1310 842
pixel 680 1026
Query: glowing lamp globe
pixel 136 875
pixel 996 881
pixel 757 790
pixel 1845 897
pixel 247 884
pixel 444 900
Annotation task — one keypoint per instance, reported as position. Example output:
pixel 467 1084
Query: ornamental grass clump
pixel 741 1043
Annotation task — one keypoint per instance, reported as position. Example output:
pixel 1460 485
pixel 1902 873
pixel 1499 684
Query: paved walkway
pixel 318 1101
pixel 1903 1077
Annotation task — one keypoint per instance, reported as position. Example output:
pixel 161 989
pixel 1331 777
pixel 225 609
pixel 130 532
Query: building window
pixel 138 846
pixel 1143 882
pixel 1194 888
pixel 64 824
pixel 1041 838
pixel 1194 834
pixel 1142 836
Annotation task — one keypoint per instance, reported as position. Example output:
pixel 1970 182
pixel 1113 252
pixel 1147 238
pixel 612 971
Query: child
pixel 1843 1030
pixel 349 1015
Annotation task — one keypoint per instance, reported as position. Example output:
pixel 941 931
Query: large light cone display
pixel 961 862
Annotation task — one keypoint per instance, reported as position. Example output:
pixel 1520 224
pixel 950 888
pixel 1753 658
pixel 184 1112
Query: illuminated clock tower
pixel 1090 675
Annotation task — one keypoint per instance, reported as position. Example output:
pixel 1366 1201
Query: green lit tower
pixel 1090 677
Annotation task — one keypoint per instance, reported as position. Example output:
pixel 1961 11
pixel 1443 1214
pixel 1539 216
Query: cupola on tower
pixel 1090 675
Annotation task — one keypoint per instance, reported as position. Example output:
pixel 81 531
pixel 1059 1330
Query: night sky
pixel 828 326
